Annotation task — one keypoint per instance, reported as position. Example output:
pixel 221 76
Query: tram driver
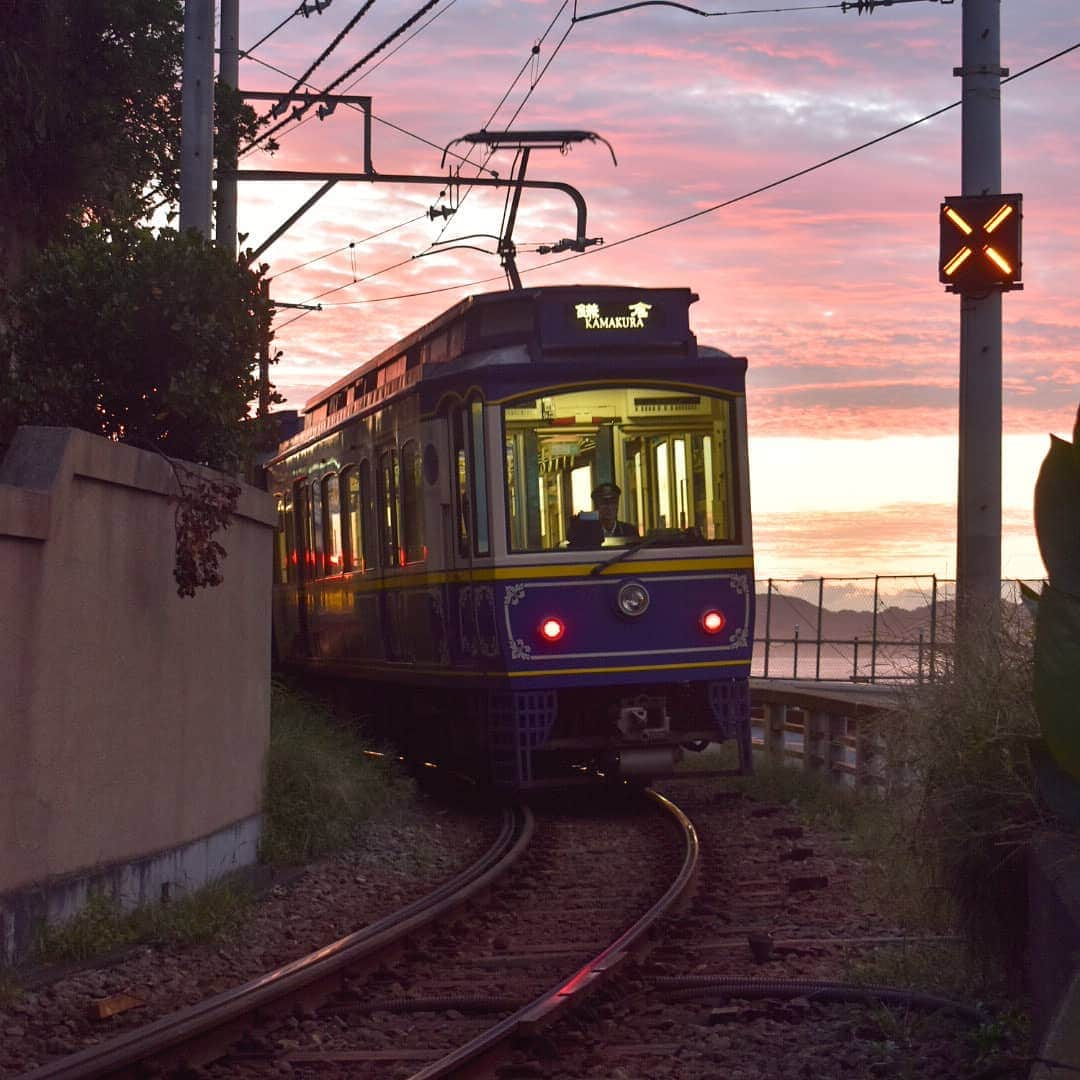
pixel 590 530
pixel 605 498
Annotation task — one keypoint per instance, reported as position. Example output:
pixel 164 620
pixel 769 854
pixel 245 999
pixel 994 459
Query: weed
pixel 103 926
pixel 1004 1032
pixel 321 785
pixel 973 810
pixel 10 988
pixel 99 927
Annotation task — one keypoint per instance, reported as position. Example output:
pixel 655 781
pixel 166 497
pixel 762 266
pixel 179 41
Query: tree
pixel 150 339
pixel 91 118
pixel 90 129
pixel 138 337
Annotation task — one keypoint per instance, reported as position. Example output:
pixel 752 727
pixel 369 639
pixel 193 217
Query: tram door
pixel 470 527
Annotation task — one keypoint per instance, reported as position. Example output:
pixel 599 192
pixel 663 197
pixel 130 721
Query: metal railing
pixel 860 629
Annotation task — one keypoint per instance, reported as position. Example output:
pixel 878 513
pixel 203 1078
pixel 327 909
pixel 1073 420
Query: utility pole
pixel 978 531
pixel 225 232
pixel 197 120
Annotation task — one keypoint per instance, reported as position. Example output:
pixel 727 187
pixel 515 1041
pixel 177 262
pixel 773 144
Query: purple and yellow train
pixel 439 544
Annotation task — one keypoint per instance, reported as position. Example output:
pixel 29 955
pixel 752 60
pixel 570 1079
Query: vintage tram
pixel 439 548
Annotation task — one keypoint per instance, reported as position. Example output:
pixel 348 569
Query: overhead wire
pixel 280 26
pixel 350 245
pixel 529 61
pixel 482 167
pixel 322 95
pixel 844 5
pixel 375 67
pixel 378 119
pixel 325 54
pixel 718 206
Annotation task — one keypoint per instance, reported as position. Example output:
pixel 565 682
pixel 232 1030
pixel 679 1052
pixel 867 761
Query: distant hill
pixel 893 623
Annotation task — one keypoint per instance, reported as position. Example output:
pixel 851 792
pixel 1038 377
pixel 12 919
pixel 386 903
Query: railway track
pixel 570 957
pixel 750 979
pixel 451 984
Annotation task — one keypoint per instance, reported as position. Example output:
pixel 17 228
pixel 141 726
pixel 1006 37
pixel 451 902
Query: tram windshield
pixel 660 463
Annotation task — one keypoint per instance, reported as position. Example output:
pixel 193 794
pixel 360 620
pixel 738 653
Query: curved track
pixel 204 1031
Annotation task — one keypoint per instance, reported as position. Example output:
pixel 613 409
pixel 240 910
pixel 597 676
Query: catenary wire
pixel 382 60
pixel 482 167
pixel 341 35
pixel 843 5
pixel 356 108
pixel 718 206
pixel 280 26
pixel 533 52
pixel 299 112
pixel 350 244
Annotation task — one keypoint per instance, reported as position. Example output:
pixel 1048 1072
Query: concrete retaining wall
pixel 133 723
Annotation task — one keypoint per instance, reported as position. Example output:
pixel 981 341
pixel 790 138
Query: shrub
pixel 967 739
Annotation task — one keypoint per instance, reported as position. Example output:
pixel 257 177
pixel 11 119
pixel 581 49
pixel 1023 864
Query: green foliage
pixel 1057 650
pixel 102 926
pixel 91 114
pixel 321 786
pixel 1057 512
pixel 145 338
pixel 99 927
pixel 90 131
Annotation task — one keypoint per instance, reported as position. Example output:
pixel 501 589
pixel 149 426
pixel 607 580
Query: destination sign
pixel 628 317
pixel 610 316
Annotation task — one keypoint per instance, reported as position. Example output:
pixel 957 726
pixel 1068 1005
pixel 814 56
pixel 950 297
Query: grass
pixel 102 926
pixel 974 810
pixel 323 784
pixel 945 855
pixel 10 989
pixel 946 852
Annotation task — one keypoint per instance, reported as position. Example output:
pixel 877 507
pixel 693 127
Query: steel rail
pixel 173 1038
pixel 546 1008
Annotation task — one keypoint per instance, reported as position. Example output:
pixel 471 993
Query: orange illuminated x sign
pixel 980 242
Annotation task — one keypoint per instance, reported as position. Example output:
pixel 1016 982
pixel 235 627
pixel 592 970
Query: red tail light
pixel 712 622
pixel 551 629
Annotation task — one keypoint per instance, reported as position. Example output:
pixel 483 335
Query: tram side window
pixel 332 525
pixel 462 511
pixel 305 530
pixel 388 513
pixel 318 556
pixel 357 532
pixel 283 566
pixel 412 503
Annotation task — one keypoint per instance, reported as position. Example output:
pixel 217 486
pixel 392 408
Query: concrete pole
pixel 225 232
pixel 978 531
pixel 197 120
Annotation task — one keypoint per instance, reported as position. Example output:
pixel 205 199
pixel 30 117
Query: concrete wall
pixel 133 723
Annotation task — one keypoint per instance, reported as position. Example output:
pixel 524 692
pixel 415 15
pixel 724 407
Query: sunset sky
pixel 827 283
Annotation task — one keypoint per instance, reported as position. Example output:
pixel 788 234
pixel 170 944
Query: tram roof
pixel 679 297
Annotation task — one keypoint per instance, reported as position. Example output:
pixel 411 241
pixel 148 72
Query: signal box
pixel 980 243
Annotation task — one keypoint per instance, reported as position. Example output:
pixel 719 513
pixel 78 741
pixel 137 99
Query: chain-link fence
pixel 866 629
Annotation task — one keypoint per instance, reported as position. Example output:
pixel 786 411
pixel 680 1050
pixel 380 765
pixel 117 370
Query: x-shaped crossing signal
pixel 980 242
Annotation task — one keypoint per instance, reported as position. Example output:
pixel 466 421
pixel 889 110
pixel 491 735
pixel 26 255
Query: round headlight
pixel 633 599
